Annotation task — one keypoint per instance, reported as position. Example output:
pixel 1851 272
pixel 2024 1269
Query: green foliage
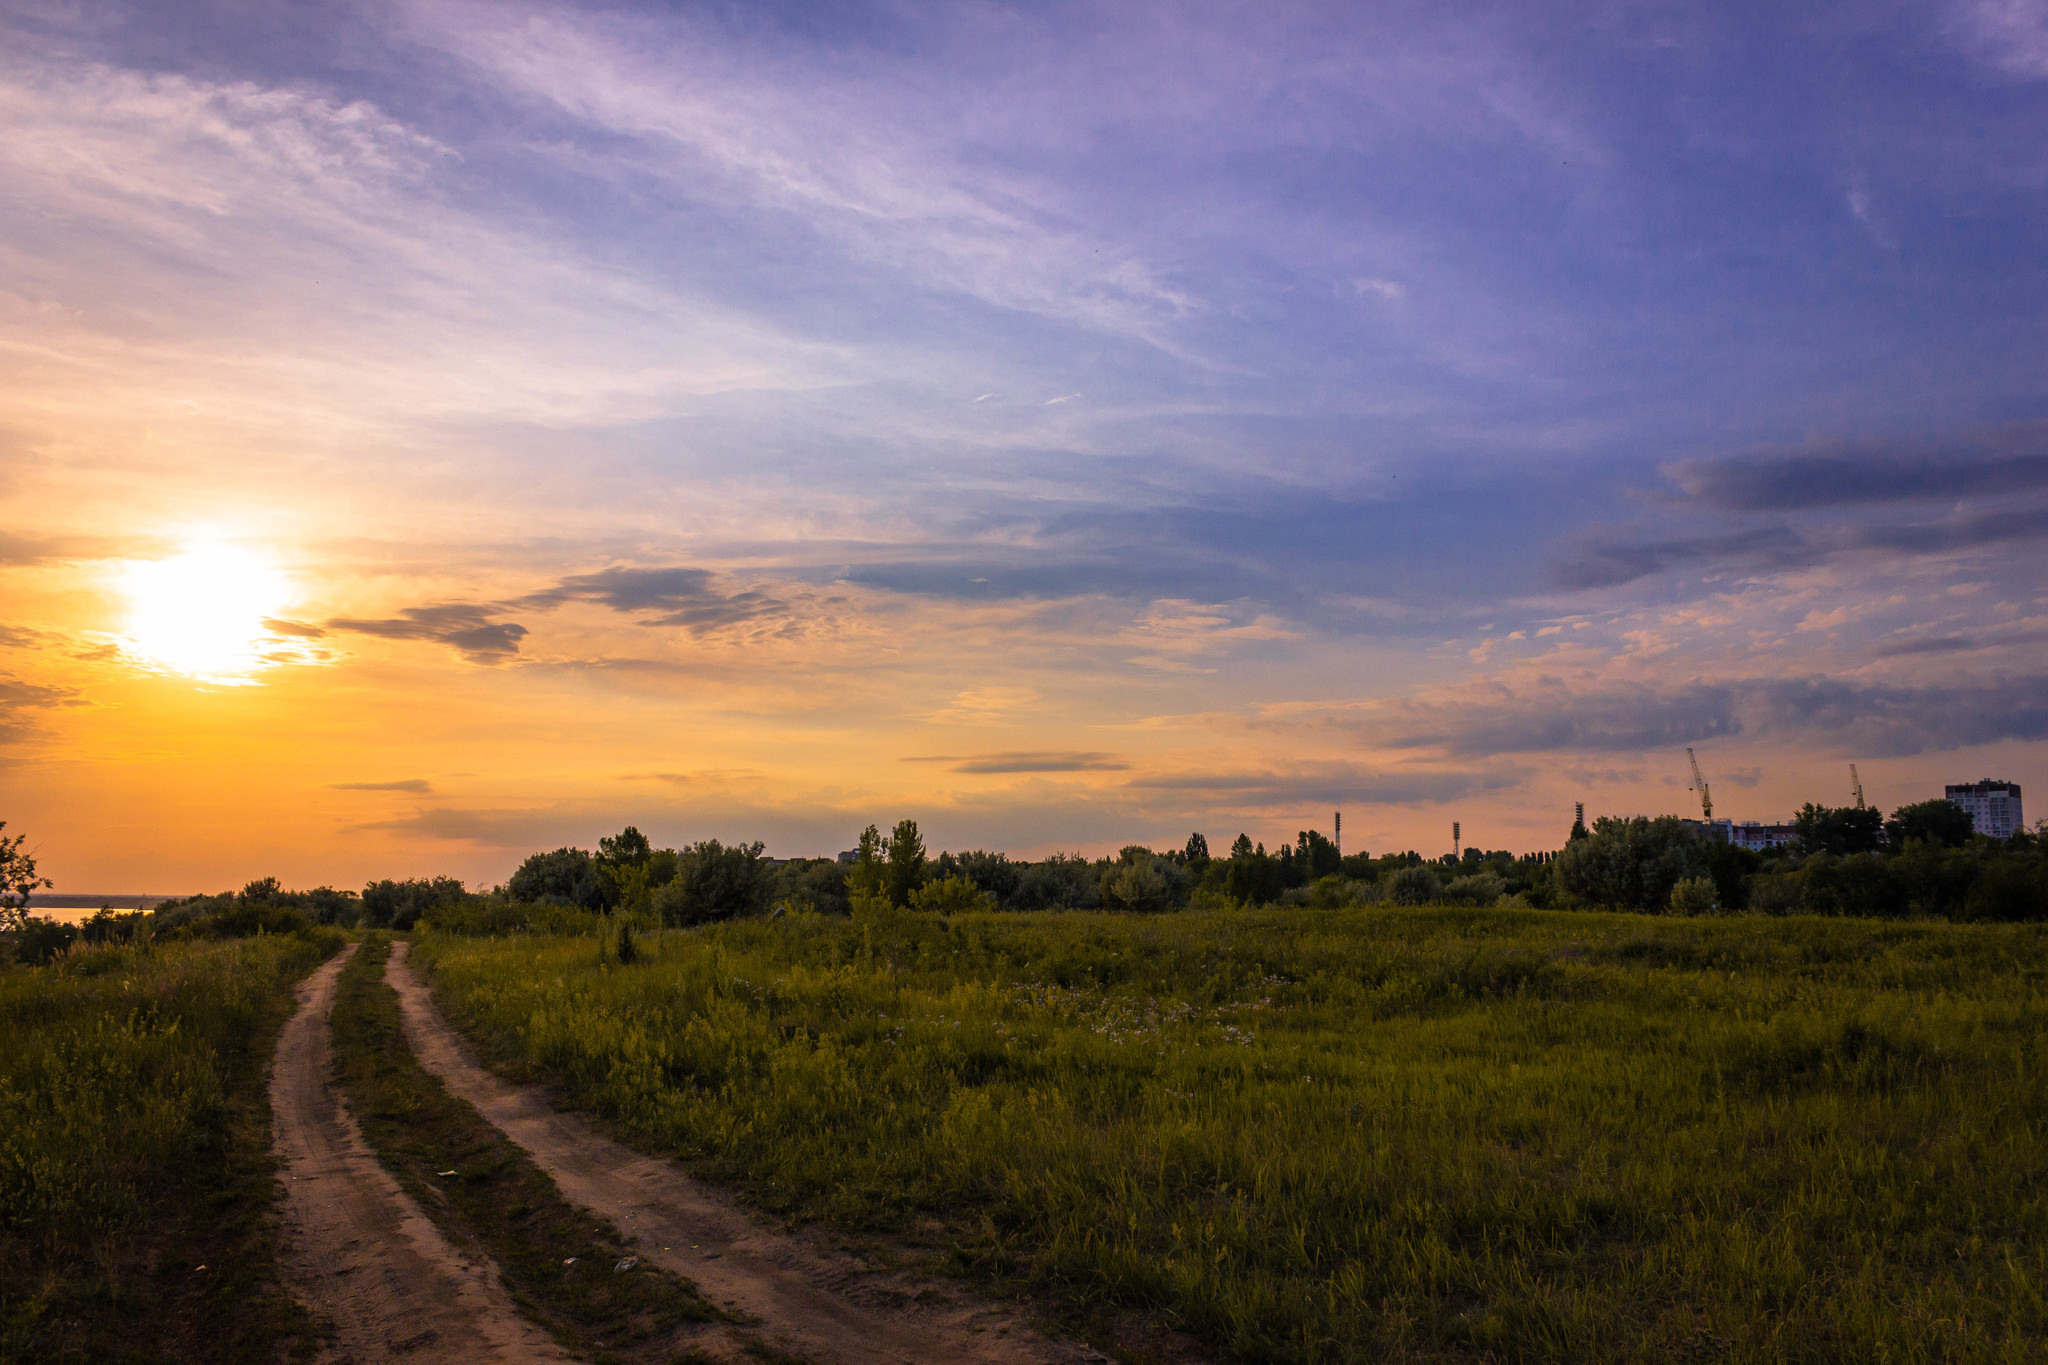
pixel 951 896
pixel 1197 850
pixel 1938 822
pixel 1631 864
pixel 628 848
pixel 905 851
pixel 567 876
pixel 1694 896
pixel 1839 829
pixel 714 882
pixel 18 880
pixel 399 905
pixel 1414 886
pixel 1476 888
pixel 1442 1134
pixel 134 1146
pixel 870 876
pixel 1317 854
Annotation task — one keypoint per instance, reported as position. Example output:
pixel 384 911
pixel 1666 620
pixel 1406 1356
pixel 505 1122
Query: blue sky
pixel 1416 406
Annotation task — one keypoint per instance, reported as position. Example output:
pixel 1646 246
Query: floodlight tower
pixel 1856 785
pixel 1337 827
pixel 1456 834
pixel 1706 800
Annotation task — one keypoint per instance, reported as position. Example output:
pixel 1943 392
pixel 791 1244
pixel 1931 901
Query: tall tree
pixel 905 847
pixel 870 875
pixel 18 880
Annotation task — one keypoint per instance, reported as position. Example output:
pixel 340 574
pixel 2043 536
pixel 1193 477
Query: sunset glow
pixel 1065 427
pixel 201 612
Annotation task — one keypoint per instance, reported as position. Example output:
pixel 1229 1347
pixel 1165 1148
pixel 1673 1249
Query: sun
pixel 202 612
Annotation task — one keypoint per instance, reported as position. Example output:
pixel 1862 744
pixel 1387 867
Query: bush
pixel 1140 881
pixel 1414 886
pixel 1481 888
pixel 1694 896
pixel 567 876
pixel 1065 881
pixel 399 905
pixel 1632 864
pixel 714 882
pixel 951 896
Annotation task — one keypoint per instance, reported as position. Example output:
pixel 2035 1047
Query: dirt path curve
pixel 361 1252
pixel 811 1302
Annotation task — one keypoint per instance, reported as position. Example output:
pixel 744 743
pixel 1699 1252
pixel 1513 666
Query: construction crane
pixel 1856 785
pixel 1706 800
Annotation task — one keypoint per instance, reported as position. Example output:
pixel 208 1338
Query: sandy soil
pixel 360 1252
pixel 805 1298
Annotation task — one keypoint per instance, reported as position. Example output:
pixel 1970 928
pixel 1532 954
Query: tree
pixel 1414 886
pixel 714 882
pixel 567 875
pixel 1318 855
pixel 951 896
pixel 1241 846
pixel 1632 864
pixel 1197 849
pixel 905 848
pixel 628 848
pixel 1839 829
pixel 1694 896
pixel 399 905
pixel 870 877
pixel 1939 822
pixel 18 880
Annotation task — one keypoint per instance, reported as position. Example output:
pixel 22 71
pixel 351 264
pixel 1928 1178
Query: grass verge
pixel 1385 1135
pixel 138 1193
pixel 556 1260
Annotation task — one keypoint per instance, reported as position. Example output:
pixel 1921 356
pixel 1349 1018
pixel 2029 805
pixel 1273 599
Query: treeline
pixel 1924 860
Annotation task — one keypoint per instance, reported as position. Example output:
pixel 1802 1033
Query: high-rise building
pixel 1994 807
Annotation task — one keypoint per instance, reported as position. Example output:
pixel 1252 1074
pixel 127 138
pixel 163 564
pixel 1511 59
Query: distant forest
pixel 1924 861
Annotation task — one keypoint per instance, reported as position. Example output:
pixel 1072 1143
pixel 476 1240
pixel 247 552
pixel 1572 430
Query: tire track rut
pixel 360 1252
pixel 810 1302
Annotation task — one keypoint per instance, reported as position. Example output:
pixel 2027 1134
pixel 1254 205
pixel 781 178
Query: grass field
pixel 1359 1135
pixel 136 1185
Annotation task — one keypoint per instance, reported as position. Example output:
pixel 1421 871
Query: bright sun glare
pixel 201 612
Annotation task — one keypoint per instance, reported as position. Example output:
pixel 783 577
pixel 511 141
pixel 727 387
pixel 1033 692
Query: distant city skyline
pixel 435 431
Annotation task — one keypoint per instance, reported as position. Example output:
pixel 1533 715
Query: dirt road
pixel 361 1253
pixel 807 1300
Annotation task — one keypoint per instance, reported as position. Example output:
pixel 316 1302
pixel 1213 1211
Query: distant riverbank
pixel 76 908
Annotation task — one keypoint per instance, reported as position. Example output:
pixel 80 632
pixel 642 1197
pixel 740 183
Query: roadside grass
pixel 138 1192
pixel 1348 1135
pixel 498 1202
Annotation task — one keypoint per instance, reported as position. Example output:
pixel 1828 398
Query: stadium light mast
pixel 1856 785
pixel 1706 801
pixel 1456 834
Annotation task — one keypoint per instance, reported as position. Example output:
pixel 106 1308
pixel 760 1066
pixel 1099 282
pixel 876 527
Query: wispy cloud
pixel 468 627
pixel 416 785
pixel 1028 761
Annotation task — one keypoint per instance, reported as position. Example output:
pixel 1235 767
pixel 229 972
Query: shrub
pixel 951 896
pixel 399 905
pixel 568 876
pixel 1632 864
pixel 1414 886
pixel 714 882
pixel 1480 888
pixel 1694 896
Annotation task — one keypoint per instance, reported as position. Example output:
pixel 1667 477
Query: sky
pixel 434 431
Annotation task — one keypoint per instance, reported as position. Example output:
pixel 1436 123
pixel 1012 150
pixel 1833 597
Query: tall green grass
pixel 1367 1134
pixel 133 1150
